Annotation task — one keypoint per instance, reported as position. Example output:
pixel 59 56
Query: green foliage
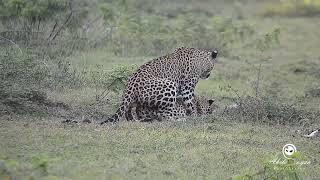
pixel 25 77
pixel 32 78
pixel 125 32
pixel 28 70
pixel 293 8
pixel 39 23
pixel 134 34
pixel 268 41
pixel 40 164
pixel 7 167
pixel 18 68
pixel 313 92
pixel 270 111
pixel 108 13
pixel 118 77
pixel 32 9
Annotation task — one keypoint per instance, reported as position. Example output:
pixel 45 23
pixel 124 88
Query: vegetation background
pixel 64 64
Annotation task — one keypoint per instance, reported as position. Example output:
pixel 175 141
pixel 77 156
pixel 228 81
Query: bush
pixel 270 111
pixel 24 79
pixel 313 92
pixel 293 8
pixel 50 27
pixel 18 69
pixel 7 167
pixel 131 34
pixel 120 28
pixel 30 70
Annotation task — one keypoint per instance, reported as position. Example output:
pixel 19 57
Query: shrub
pixel 24 79
pixel 119 75
pixel 313 92
pixel 7 167
pixel 270 111
pixel 132 34
pixel 51 27
pixel 293 8
pixel 18 69
pixel 31 71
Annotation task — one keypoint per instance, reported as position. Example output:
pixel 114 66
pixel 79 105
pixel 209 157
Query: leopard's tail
pixel 124 109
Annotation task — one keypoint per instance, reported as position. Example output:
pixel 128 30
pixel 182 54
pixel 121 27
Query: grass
pixel 294 8
pixel 216 147
pixel 103 58
pixel 166 150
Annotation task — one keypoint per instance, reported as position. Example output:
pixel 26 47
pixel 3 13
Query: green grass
pixel 163 150
pixel 103 58
pixel 215 147
pixel 293 8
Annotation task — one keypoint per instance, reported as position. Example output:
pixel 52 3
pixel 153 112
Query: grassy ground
pixel 189 150
pixel 215 147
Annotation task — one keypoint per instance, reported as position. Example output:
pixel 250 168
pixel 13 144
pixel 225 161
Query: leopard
pixel 204 106
pixel 158 83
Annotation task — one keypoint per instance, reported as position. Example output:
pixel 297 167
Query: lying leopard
pixel 204 106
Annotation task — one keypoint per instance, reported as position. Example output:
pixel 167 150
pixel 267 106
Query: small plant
pixel 286 169
pixel 113 81
pixel 268 41
pixel 313 92
pixel 268 110
pixel 293 8
pixel 7 167
pixel 40 165
pixel 118 77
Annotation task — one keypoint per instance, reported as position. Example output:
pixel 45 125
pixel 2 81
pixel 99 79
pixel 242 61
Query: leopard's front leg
pixel 187 93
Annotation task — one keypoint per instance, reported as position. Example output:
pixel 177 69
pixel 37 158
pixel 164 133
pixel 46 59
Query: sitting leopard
pixel 204 106
pixel 159 82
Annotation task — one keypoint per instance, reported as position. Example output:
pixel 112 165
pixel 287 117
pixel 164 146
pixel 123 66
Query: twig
pixel 103 95
pixel 312 134
pixel 53 29
pixel 65 22
pixel 90 23
pixel 12 43
pixel 258 80
pixel 239 99
pixel 235 92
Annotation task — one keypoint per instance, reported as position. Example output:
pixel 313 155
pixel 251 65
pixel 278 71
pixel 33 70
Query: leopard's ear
pixel 214 54
pixel 210 101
